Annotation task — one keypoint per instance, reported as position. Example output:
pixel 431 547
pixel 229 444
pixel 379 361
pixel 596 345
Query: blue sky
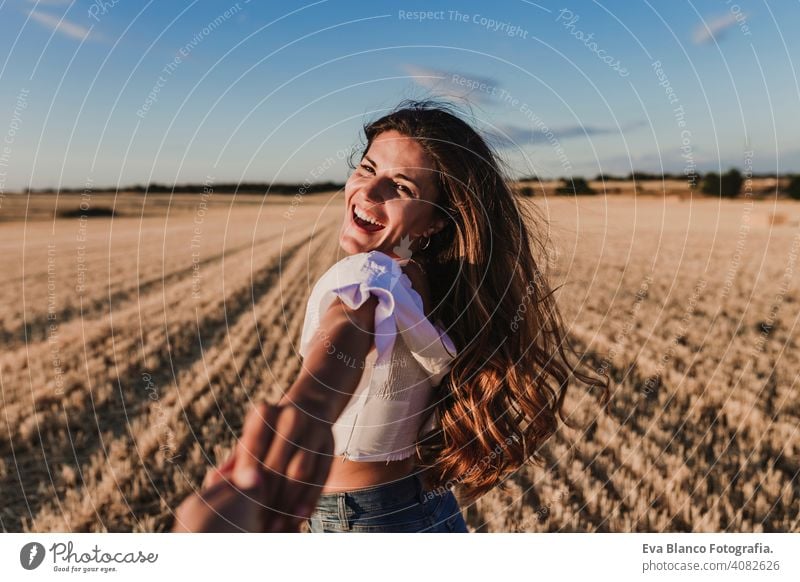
pixel 107 93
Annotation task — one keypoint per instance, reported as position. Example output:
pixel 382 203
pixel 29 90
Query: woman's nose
pixel 375 191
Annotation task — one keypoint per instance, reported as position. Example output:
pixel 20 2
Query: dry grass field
pixel 132 346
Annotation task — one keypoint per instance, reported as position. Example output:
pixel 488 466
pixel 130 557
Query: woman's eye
pixel 403 188
pixel 397 185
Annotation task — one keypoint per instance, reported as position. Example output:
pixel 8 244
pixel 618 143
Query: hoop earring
pixel 427 243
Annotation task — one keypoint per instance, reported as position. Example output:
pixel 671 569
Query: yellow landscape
pixel 134 345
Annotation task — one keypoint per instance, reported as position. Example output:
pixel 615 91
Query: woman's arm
pixel 293 439
pixel 334 367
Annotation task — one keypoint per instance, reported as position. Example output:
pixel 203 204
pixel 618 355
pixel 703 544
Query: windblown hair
pixel 499 402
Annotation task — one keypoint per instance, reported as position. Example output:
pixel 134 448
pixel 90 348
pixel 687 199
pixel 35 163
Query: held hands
pixel 276 473
pixel 272 480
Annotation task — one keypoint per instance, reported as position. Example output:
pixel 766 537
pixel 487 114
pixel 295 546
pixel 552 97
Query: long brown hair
pixel 499 401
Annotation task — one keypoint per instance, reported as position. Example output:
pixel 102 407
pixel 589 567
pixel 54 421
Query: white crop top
pixel 387 411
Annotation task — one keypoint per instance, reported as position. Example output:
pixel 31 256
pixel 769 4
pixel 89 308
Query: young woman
pixel 434 353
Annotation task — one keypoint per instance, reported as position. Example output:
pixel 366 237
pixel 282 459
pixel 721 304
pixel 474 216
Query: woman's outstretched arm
pixel 301 451
pixel 293 441
pixel 333 367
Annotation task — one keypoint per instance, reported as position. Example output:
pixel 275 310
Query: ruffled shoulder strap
pixel 400 309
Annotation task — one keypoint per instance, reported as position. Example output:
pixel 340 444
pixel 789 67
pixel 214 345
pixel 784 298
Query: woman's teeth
pixel 365 221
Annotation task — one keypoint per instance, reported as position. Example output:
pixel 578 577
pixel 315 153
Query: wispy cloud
pixel 516 135
pixel 454 85
pixel 714 29
pixel 60 25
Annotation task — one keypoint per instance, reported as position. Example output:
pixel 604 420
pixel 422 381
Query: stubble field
pixel 133 345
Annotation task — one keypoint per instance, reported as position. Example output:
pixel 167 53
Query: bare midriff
pixel 346 475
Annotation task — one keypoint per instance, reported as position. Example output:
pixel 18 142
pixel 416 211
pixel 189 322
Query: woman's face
pixel 395 185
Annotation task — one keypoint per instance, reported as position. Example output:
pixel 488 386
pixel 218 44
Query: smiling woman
pixel 393 191
pixel 451 386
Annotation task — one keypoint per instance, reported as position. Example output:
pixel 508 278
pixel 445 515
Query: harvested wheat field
pixel 133 345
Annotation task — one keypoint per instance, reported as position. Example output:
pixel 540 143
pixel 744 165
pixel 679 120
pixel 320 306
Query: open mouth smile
pixel 364 221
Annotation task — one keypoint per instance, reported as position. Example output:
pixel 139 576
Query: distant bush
pixel 711 183
pixel 727 185
pixel 526 191
pixel 609 178
pixel 574 186
pixel 793 189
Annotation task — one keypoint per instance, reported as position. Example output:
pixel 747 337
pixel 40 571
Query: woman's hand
pixel 300 456
pixel 289 448
pixel 225 504
pixel 222 508
pixel 286 450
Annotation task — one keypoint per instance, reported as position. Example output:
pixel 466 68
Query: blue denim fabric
pixel 402 506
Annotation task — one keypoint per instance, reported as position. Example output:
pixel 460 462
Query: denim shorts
pixel 401 506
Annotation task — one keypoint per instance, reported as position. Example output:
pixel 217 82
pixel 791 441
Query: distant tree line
pixel 727 185
pixel 230 187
